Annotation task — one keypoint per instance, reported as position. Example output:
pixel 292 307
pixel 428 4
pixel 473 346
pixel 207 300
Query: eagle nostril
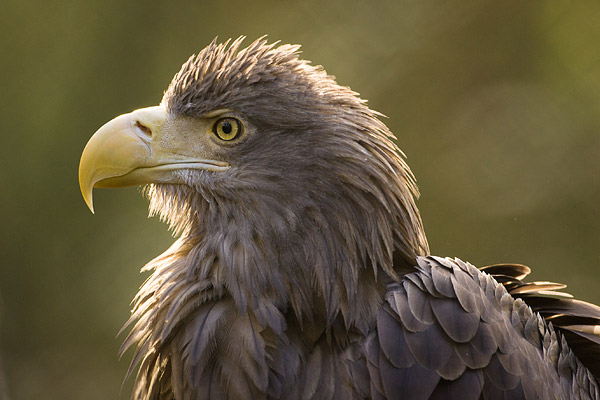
pixel 147 131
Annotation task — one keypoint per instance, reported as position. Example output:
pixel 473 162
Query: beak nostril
pixel 147 131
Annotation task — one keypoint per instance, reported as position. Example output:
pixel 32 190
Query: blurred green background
pixel 496 105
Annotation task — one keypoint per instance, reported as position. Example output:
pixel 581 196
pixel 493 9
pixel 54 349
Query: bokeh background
pixel 496 105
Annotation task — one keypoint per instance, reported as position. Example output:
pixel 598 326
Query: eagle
pixel 301 269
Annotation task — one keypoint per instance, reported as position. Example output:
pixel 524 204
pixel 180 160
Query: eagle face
pixel 257 132
pixel 233 124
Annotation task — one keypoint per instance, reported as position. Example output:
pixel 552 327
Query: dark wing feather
pixel 577 320
pixel 515 271
pixel 450 331
pixel 467 386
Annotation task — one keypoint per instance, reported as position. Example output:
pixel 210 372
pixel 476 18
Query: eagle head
pixel 279 181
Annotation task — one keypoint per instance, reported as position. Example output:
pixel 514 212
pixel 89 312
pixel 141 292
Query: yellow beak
pixel 130 150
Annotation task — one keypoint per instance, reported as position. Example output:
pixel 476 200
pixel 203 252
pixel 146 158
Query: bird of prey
pixel 301 268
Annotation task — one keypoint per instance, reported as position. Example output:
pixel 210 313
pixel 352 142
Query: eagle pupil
pixel 227 128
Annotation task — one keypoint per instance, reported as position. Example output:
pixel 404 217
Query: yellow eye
pixel 227 129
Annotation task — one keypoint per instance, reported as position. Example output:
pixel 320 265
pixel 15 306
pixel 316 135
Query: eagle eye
pixel 227 129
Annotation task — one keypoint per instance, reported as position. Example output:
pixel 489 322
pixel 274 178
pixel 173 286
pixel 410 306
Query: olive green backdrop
pixel 496 105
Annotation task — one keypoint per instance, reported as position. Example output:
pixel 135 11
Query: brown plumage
pixel 302 270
